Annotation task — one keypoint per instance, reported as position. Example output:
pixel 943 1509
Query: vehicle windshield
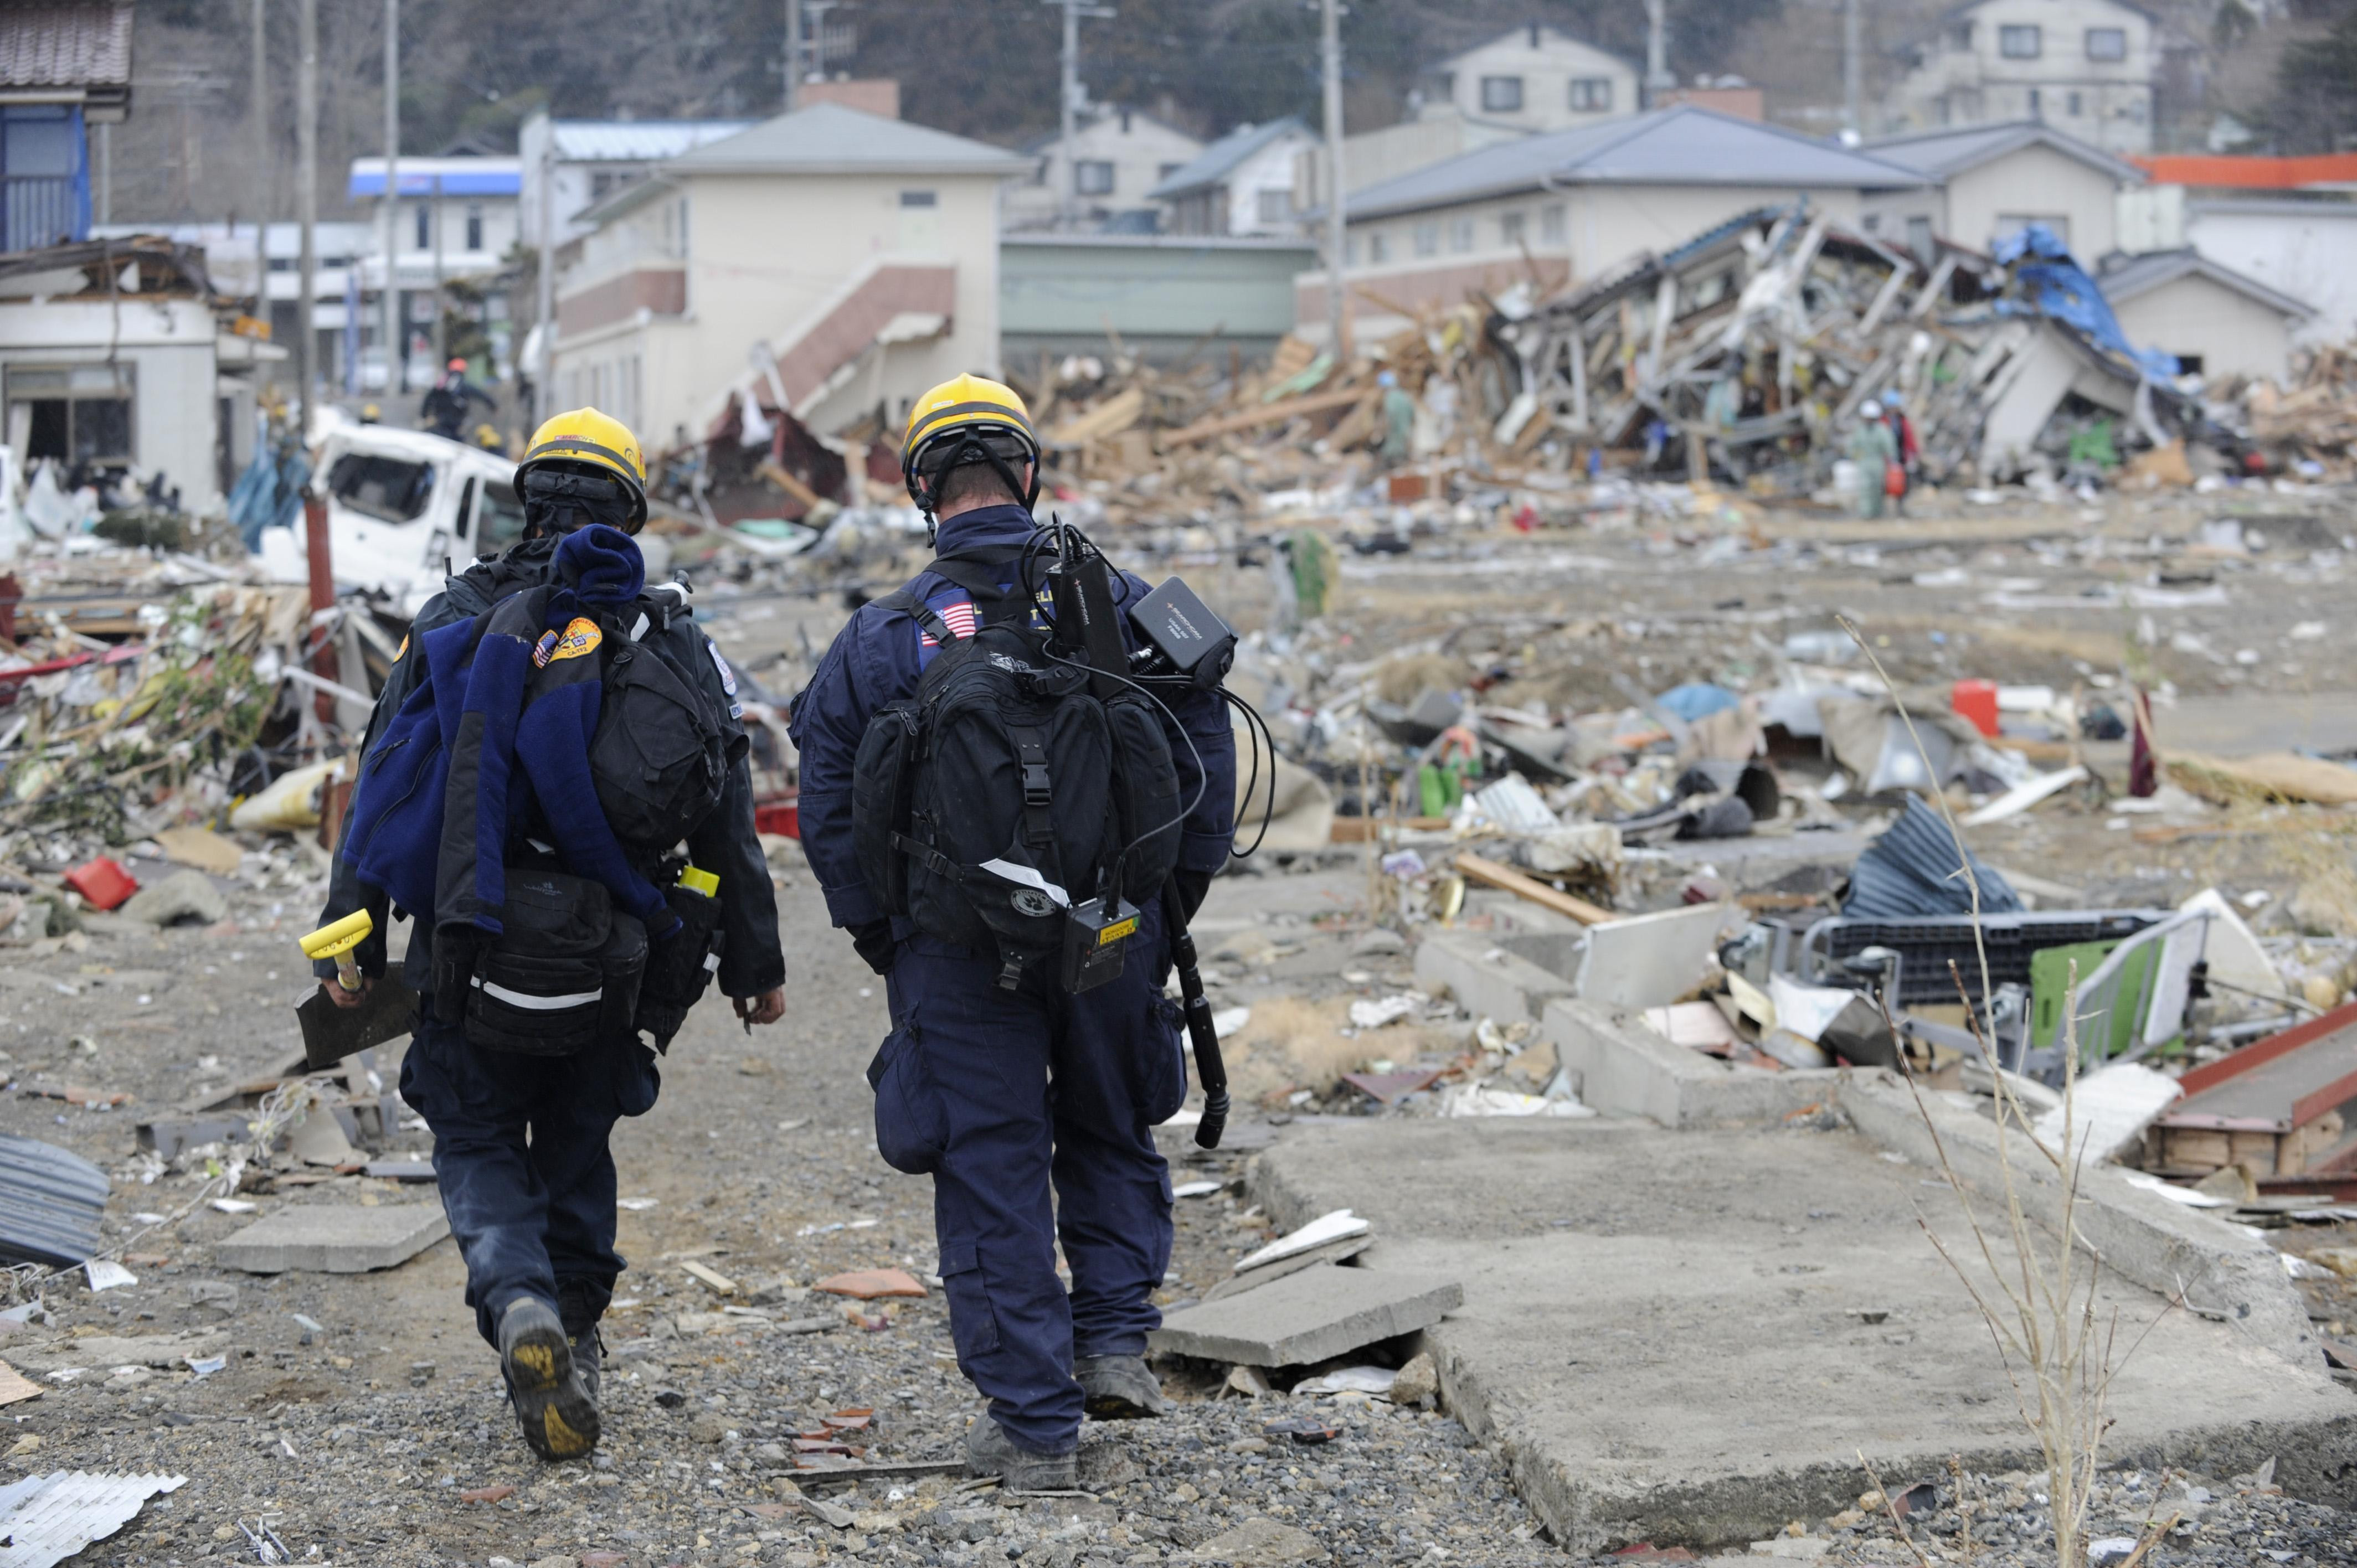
pixel 499 519
pixel 393 488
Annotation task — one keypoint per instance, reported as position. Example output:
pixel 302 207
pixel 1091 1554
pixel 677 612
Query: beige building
pixel 1534 79
pixel 2085 67
pixel 1241 186
pixel 1989 181
pixel 1574 206
pixel 1116 157
pixel 823 261
pixel 2216 321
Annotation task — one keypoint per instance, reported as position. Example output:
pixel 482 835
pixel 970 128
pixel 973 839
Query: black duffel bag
pixel 681 965
pixel 562 976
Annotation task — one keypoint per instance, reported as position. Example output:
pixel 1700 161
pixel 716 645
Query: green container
pixel 2049 983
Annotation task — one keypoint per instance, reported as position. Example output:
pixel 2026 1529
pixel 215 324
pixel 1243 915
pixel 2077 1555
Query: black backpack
pixel 1003 793
pixel 661 754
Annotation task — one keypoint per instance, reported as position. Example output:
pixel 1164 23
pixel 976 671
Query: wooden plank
pixel 1490 874
pixel 1273 413
pixel 1358 829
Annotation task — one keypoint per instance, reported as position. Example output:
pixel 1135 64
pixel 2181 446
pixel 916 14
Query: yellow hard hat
pixel 585 438
pixel 969 419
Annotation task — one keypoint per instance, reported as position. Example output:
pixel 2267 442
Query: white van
pixel 405 507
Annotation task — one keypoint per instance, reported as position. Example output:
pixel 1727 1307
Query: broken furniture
pixel 2278 1106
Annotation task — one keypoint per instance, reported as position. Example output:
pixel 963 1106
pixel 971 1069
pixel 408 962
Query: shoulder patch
pixel 580 636
pixel 727 675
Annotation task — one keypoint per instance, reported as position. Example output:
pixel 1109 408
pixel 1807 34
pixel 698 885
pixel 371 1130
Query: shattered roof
pixel 66 45
pixel 828 138
pixel 1941 154
pixel 1215 162
pixel 144 263
pixel 1682 146
pixel 2141 275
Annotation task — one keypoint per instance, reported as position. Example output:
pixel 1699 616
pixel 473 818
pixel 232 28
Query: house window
pixel 1501 94
pixel 1553 228
pixel 1513 228
pixel 2014 222
pixel 1164 171
pixel 2035 101
pixel 425 226
pixel 1351 251
pixel 474 228
pixel 1428 239
pixel 601 186
pixel 1092 176
pixel 1919 238
pixel 1379 248
pixel 2189 364
pixel 1276 206
pixel 77 413
pixel 2070 104
pixel 2019 42
pixel 1461 234
pixel 1961 34
pixel 2107 43
pixel 920 199
pixel 1591 95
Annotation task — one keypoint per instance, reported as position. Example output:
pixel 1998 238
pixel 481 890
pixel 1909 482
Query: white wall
pixel 1546 70
pixel 1143 151
pixel 2233 334
pixel 2035 181
pixel 1269 169
pixel 2306 249
pixel 169 344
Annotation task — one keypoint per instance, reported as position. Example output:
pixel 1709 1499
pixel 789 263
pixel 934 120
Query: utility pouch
pixel 883 786
pixel 680 966
pixel 562 976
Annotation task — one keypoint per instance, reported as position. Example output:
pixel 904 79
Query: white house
pixel 570 164
pixel 1987 181
pixel 2304 250
pixel 2216 321
pixel 1240 185
pixel 453 218
pixel 2086 67
pixel 1573 206
pixel 1117 156
pixel 824 260
pixel 1534 79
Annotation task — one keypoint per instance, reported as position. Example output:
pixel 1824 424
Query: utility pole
pixel 396 357
pixel 1853 71
pixel 794 51
pixel 261 91
pixel 307 200
pixel 1068 208
pixel 441 330
pixel 1658 80
pixel 1337 306
pixel 546 313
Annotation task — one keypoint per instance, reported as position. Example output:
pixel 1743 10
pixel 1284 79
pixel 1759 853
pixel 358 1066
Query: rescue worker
pixel 521 1148
pixel 1029 1088
pixel 1399 421
pixel 1872 448
pixel 444 407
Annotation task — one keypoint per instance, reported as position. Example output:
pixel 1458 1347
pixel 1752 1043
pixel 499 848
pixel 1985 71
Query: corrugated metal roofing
pixel 50 1200
pixel 66 46
pixel 1684 145
pixel 828 138
pixel 1222 155
pixel 1938 155
pixel 1911 873
pixel 44 1519
pixel 639 141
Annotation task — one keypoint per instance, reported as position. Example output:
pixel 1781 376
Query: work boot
pixel 989 1451
pixel 1119 1388
pixel 588 1361
pixel 557 1412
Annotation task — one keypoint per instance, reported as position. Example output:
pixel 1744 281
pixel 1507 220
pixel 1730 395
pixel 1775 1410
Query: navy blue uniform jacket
pixel 876 657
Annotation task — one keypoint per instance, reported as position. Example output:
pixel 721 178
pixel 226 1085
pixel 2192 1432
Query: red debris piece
pixel 488 1493
pixel 866 1285
pixel 104 883
pixel 848 1420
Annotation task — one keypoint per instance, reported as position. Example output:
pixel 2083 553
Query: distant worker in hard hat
pixel 1875 451
pixel 487 437
pixel 1399 419
pixel 520 1088
pixel 444 407
pixel 370 413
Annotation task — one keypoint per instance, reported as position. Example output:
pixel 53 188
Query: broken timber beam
pixel 1491 873
pixel 1273 413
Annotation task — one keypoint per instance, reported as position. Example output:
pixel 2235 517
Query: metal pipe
pixel 395 345
pixel 1338 301
pixel 307 199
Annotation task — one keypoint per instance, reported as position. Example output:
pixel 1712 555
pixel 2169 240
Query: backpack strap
pixel 906 603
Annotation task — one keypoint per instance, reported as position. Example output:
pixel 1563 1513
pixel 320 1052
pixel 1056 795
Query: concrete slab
pixel 1487 976
pixel 335 1238
pixel 1665 1332
pixel 1621 1065
pixel 1308 1317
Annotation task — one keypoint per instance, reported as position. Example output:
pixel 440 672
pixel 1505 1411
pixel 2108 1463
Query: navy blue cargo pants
pixel 1003 1095
pixel 526 1172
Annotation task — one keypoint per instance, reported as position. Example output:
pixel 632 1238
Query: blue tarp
pixel 269 494
pixel 2049 282
pixel 1698 699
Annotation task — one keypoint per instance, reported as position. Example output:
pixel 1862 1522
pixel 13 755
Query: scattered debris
pixel 48 1519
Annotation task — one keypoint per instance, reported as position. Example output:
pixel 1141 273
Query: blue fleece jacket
pixel 501 723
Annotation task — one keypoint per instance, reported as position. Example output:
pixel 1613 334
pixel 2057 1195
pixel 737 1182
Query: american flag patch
pixel 960 618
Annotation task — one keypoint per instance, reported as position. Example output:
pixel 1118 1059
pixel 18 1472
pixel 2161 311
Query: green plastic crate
pixel 2049 982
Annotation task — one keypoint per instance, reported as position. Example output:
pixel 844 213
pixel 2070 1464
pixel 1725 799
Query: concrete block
pixel 2225 1275
pixel 1488 977
pixel 335 1238
pixel 1623 1067
pixel 1309 1316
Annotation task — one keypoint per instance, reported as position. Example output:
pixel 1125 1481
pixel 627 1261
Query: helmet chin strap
pixel 957 458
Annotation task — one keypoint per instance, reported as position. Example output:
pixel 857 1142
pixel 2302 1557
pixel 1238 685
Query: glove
pixel 1193 886
pixel 874 944
pixel 455 947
